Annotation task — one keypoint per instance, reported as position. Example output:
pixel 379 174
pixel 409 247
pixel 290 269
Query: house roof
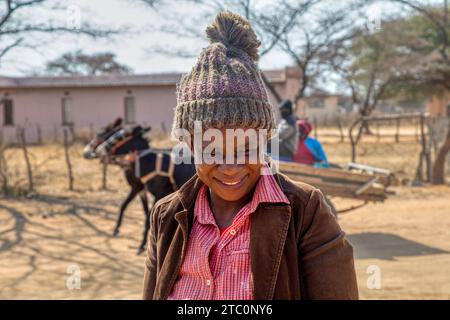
pixel 89 81
pixel 156 79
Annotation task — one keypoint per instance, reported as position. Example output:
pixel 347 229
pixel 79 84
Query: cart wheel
pixel 333 208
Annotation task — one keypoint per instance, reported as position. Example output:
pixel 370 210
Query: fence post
pixel 105 172
pixel 315 127
pixel 340 129
pixel 69 164
pixel 353 141
pixel 378 131
pixel 39 134
pixel 3 165
pixel 91 131
pixel 424 155
pixel 416 128
pixel 164 128
pixel 23 143
pixel 397 129
pixel 72 132
pixel 55 133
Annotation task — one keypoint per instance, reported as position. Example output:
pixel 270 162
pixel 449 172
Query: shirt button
pixel 208 282
pixel 232 232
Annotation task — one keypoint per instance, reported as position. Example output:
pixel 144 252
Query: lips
pixel 235 183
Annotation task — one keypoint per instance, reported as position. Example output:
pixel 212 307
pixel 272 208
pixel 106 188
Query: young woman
pixel 235 230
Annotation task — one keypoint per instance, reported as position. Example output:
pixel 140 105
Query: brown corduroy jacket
pixel 297 250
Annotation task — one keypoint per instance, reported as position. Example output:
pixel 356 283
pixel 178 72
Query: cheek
pixel 254 174
pixel 203 171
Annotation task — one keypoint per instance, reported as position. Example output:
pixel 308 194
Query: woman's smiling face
pixel 231 181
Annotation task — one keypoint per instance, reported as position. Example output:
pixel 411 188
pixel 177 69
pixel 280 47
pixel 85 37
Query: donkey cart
pixel 354 181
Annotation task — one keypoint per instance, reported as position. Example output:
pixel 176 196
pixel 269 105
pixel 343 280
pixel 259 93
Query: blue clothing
pixel 317 150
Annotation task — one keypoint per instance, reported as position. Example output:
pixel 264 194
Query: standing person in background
pixel 287 132
pixel 309 150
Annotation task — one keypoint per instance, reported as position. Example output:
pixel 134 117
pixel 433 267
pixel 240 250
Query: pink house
pixel 44 105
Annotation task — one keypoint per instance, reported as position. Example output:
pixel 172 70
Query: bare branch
pixel 5 50
pixel 16 31
pixel 12 6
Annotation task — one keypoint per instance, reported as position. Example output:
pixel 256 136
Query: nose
pixel 87 153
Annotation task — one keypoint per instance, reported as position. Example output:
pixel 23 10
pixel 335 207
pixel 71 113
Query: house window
pixel 8 115
pixel 67 111
pixel 129 110
pixel 318 103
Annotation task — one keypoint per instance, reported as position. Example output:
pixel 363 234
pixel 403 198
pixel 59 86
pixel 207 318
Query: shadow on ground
pixel 386 246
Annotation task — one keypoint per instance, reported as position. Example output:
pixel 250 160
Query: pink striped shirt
pixel 217 262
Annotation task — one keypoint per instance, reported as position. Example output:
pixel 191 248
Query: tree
pixel 374 63
pixel 271 22
pixel 432 75
pixel 367 65
pixel 78 63
pixel 23 22
pixel 311 43
pixel 426 40
pixel 415 51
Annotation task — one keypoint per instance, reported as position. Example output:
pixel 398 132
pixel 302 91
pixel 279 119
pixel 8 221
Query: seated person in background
pixel 309 150
pixel 287 132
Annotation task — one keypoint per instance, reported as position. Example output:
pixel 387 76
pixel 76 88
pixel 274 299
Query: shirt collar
pixel 267 190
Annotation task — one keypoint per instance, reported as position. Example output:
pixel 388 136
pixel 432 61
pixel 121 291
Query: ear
pixel 118 122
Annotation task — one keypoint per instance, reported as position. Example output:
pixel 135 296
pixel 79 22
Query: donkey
pixel 92 151
pixel 153 167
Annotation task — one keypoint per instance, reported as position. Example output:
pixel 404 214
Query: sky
pixel 130 48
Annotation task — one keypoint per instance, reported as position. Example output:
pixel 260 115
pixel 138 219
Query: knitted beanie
pixel 224 88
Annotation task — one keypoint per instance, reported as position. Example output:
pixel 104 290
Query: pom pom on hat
pixel 231 29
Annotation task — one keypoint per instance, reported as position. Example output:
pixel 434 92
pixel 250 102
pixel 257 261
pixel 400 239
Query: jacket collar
pixel 188 192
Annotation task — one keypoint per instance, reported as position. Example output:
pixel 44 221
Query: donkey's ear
pixel 147 129
pixel 136 130
pixel 117 122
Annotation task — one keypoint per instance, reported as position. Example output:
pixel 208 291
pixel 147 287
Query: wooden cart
pixel 355 181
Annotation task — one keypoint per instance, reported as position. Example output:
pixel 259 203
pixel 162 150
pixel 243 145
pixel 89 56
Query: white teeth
pixel 231 183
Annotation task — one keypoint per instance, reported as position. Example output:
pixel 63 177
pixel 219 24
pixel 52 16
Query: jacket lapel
pixel 177 248
pixel 172 261
pixel 268 231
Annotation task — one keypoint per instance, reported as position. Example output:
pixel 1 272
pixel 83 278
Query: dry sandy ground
pixel 407 238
